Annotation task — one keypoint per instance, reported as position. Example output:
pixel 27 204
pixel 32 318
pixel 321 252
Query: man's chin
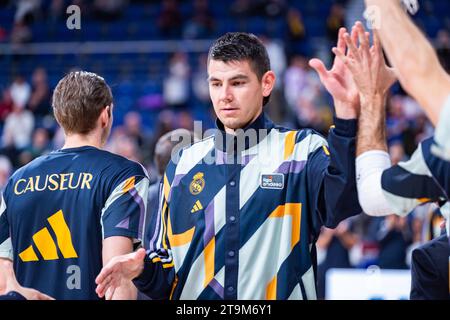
pixel 231 125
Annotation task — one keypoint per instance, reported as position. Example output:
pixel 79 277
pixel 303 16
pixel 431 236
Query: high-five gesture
pixel 373 78
pixel 339 82
pixel 367 65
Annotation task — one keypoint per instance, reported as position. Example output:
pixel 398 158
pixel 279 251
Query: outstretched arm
pixel 373 80
pixel 152 272
pixel 413 57
pixel 112 247
pixel 119 269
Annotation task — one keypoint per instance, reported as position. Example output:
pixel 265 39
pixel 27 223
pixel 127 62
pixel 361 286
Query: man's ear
pixel 105 115
pixel 268 82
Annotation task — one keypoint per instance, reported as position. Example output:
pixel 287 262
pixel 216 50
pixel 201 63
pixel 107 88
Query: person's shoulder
pixel 120 163
pixel 440 243
pixel 300 134
pixel 307 140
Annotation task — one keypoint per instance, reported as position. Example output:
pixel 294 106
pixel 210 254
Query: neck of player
pixel 77 140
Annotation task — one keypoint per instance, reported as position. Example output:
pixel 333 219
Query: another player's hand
pixel 339 83
pixel 9 283
pixel 371 75
pixel 117 270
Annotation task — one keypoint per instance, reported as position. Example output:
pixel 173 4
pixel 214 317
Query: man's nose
pixel 226 94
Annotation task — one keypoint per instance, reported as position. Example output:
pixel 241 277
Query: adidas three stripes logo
pixel 45 244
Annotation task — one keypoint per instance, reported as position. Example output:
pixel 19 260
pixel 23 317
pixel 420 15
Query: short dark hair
pixel 78 100
pixel 240 46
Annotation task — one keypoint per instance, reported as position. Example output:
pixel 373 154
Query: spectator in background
pixel 39 102
pixel 277 57
pixel 416 236
pixel 27 10
pixel 270 8
pixel 394 237
pixel 304 96
pixel 20 33
pixel 56 11
pixel 6 105
pixel 185 120
pixel 165 123
pixel 133 128
pixel 176 84
pixel 20 91
pixel 365 252
pixel 199 78
pixel 39 146
pixel 335 245
pixel 19 123
pixel 295 80
pixel 5 171
pixel 296 27
pixel 3 34
pixel 109 10
pixel 276 108
pixel 396 123
pixel 124 145
pixel 170 20
pixel 335 21
pixel 201 93
pixel 296 31
pixel 201 24
pixel 241 8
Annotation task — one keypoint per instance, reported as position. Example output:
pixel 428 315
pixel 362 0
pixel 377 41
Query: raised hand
pixel 118 270
pixel 373 78
pixel 339 82
pixel 370 73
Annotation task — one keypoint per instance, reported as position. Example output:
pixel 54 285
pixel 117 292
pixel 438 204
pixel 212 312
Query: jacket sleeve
pixel 429 273
pixel 439 168
pixel 6 250
pixel 331 177
pixel 158 276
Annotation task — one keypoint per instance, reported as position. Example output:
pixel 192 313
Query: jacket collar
pixel 244 138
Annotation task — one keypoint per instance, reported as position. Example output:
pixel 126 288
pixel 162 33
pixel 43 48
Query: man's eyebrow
pixel 240 77
pixel 236 77
pixel 212 79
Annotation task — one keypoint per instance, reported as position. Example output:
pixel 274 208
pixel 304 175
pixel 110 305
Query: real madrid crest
pixel 197 184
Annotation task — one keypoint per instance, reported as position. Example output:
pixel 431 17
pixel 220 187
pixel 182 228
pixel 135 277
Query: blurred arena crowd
pixel 155 93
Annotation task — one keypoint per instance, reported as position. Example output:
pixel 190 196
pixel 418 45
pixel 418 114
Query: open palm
pixel 338 80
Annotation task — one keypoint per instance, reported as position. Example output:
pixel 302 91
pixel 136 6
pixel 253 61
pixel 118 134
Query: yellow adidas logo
pixel 45 244
pixel 197 206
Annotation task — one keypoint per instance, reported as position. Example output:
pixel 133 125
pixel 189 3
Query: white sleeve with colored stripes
pixel 6 251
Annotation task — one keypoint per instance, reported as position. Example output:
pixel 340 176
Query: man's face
pixel 236 93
